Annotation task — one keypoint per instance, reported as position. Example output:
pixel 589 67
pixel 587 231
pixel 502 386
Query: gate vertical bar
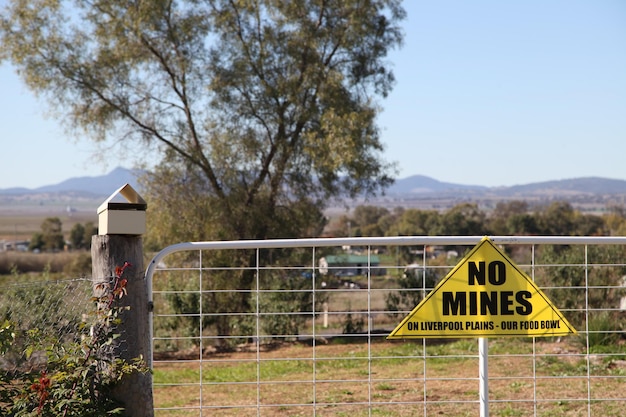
pixel 587 330
pixel 257 314
pixel 201 344
pixel 314 343
pixel 369 330
pixel 424 367
pixel 534 362
pixel 483 365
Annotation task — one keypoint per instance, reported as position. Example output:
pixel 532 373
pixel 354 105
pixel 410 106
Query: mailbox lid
pixel 133 200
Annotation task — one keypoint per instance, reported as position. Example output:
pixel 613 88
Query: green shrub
pixel 352 325
pixel 68 378
pixel 602 330
pixel 414 284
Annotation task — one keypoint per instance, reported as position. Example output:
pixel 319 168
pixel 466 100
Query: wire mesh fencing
pixel 299 327
pixel 55 310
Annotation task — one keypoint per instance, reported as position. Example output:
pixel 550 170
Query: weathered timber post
pixel 120 226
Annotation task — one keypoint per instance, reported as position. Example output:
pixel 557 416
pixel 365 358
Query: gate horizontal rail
pixel 338 362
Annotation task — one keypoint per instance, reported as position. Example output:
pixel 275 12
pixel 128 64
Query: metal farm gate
pixel 299 328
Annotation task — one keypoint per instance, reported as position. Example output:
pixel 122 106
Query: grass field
pixel 395 379
pixel 21 225
pixel 345 376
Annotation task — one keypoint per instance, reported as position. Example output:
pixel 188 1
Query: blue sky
pixel 488 92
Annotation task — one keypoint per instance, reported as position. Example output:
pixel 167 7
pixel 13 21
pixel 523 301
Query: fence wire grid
pixel 55 308
pixel 298 328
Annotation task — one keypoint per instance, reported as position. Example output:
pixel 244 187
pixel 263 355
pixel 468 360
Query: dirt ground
pixel 548 378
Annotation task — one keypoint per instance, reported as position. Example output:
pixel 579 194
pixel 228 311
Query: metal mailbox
pixel 122 217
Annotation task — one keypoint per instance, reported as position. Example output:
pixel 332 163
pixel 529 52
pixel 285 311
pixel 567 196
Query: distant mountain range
pixel 419 185
pixel 103 185
pixel 413 187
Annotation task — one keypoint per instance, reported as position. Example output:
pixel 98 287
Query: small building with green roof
pixel 350 265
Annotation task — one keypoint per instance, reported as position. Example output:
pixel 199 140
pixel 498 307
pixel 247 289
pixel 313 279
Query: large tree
pixel 261 110
pixel 265 105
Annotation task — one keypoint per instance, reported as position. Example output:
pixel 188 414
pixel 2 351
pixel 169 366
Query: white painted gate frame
pixel 369 242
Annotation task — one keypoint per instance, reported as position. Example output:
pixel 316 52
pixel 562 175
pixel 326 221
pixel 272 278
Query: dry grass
pixel 22 225
pixel 26 262
pixel 394 379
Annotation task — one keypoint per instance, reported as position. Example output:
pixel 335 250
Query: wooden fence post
pixel 120 243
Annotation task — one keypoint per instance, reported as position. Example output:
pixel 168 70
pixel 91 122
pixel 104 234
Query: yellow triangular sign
pixel 485 295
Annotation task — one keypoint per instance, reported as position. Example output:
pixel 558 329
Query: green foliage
pixel 77 236
pixel 602 330
pixel 507 218
pixel 513 218
pixel 7 335
pixel 564 274
pixel 366 219
pixel 80 235
pixel 463 220
pixel 36 242
pixel 90 230
pixel 414 284
pixel 52 234
pixel 66 377
pixel 285 302
pixel 264 110
pixel 78 266
pixel 416 222
pixel 50 308
pixel 557 219
pixel 182 298
pixel 351 325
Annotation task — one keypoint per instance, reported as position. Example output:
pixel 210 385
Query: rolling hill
pixel 415 191
pixel 421 185
pixel 98 186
